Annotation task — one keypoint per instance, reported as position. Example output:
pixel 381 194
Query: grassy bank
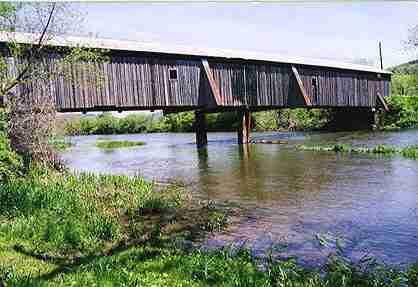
pixel 408 152
pixel 62 228
pixel 118 144
pixel 89 230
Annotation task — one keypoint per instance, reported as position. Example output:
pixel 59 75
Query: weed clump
pixel 118 144
pixel 409 152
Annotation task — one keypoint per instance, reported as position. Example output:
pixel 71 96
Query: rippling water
pixel 368 202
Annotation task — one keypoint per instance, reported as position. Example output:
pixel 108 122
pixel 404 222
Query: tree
pixel 404 84
pixel 26 74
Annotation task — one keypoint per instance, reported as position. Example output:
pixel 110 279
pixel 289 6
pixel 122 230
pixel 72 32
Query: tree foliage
pixel 404 84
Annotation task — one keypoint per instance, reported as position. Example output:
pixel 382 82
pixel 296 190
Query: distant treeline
pixel 403 114
pixel 295 119
pixel 405 79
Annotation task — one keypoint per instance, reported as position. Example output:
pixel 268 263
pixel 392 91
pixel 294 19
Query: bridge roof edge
pixel 129 45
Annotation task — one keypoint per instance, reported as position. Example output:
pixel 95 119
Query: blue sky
pixel 345 31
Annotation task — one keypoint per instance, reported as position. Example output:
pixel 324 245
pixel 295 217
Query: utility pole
pixel 380 55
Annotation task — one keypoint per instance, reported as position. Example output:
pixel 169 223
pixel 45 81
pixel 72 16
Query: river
pixel 300 203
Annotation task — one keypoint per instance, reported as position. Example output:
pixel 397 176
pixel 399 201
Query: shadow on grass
pixel 68 265
pixel 159 235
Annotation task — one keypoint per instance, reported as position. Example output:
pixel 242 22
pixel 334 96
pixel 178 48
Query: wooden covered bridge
pixel 149 76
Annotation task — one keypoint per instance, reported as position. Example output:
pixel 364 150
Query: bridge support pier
pixel 200 128
pixel 244 127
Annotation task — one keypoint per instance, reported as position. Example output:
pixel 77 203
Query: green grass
pixel 408 152
pixel 118 144
pixel 63 229
pixel 61 213
pixel 167 265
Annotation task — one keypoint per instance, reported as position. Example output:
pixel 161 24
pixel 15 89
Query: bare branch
pixel 25 70
pixel 47 25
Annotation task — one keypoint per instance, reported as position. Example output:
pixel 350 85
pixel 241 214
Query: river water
pixel 299 203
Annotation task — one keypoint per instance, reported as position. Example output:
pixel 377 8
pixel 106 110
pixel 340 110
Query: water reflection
pixel 294 197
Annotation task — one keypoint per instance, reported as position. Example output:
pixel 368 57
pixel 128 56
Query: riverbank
pixel 60 229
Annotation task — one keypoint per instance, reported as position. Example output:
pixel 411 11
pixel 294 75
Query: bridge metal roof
pixel 128 45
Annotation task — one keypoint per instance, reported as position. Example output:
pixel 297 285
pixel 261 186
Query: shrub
pixel 297 119
pixel 403 113
pixel 136 123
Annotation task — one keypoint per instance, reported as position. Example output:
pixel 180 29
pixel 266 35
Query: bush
pixel 294 119
pixel 403 113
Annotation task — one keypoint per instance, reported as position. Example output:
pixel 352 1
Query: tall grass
pixel 63 212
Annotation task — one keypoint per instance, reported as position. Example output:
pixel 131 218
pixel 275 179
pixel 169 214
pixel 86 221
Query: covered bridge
pixel 150 76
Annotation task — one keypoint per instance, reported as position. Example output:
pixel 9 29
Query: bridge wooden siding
pixel 143 82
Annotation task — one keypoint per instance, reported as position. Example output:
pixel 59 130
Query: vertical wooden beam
pixel 244 127
pixel 200 128
pixel 212 83
pixel 301 87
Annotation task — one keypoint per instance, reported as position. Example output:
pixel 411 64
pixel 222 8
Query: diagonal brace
pixel 212 83
pixel 301 87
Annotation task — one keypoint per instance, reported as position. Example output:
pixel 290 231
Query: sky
pixel 343 31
